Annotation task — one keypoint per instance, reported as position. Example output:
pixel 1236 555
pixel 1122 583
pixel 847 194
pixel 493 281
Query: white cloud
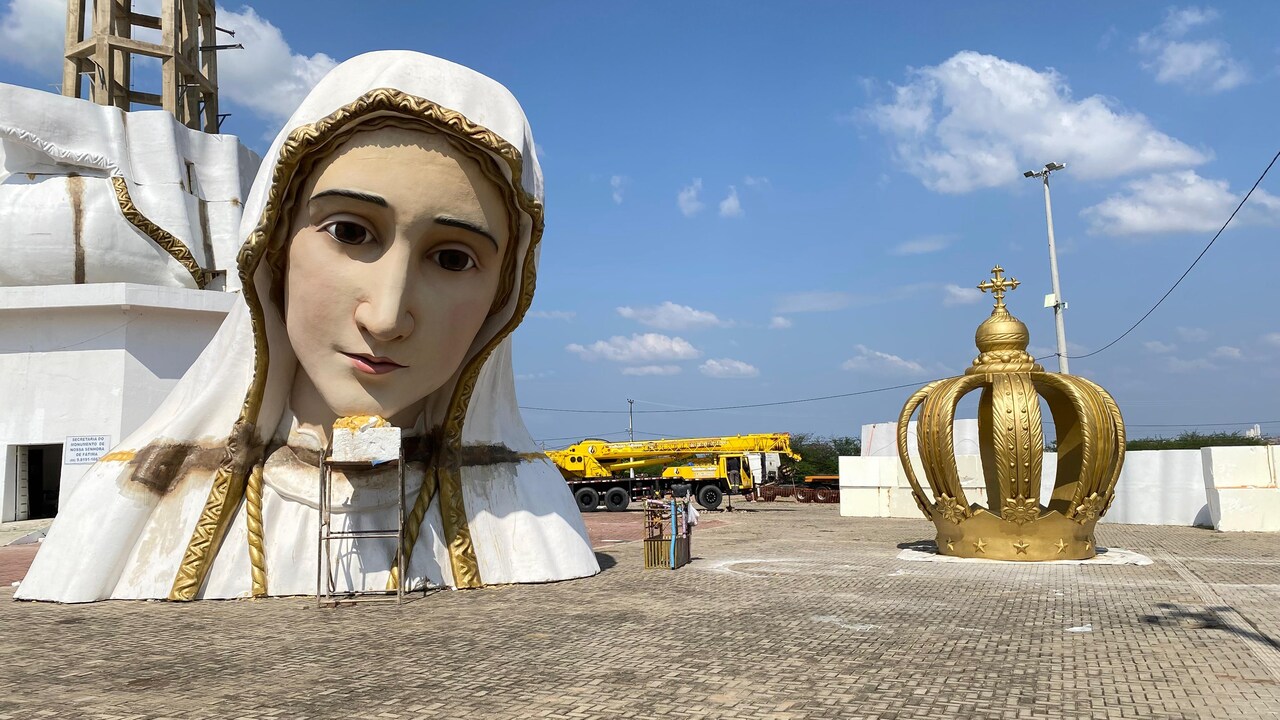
pixel 1199 65
pixel 1178 21
pixel 670 316
pixel 778 322
pixel 639 348
pixel 1158 347
pixel 688 200
pixel 728 368
pixel 757 182
pixel 956 295
pixel 1177 202
pixel 267 76
pixel 813 301
pixel 535 375
pixel 1272 339
pixel 1192 334
pixel 977 121
pixel 33 35
pixel 921 246
pixel 652 370
pixel 874 361
pixel 730 206
pixel 1179 365
pixel 617 183
pixel 553 314
pixel 1226 352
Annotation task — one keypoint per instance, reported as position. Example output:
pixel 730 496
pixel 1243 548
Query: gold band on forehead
pixel 298 155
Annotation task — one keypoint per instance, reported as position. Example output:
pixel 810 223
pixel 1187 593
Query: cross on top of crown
pixel 998 285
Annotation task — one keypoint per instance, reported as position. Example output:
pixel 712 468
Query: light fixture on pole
pixel 1055 300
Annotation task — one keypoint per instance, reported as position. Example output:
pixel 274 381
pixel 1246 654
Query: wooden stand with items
pixel 666 533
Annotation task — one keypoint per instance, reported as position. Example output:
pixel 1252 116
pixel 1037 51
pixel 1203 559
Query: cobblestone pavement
pixel 607 528
pixel 788 611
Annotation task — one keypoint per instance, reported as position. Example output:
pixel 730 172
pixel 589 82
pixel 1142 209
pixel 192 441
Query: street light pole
pixel 631 428
pixel 1058 303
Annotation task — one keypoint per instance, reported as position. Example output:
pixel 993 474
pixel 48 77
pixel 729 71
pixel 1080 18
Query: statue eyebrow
pixel 353 194
pixel 467 225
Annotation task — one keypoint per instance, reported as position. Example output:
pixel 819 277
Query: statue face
pixel 393 264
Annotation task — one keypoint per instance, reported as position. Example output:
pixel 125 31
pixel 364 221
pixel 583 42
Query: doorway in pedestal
pixel 39 480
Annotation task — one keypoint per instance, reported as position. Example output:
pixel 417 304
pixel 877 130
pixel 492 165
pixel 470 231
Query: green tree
pixel 819 455
pixel 1193 441
pixel 1190 440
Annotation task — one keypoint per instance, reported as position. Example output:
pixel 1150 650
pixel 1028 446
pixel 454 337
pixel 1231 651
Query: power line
pixel 1188 270
pixel 728 407
pixel 579 437
pixel 1253 422
pixel 1046 421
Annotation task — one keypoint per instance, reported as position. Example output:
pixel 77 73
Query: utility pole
pixel 631 428
pixel 1055 300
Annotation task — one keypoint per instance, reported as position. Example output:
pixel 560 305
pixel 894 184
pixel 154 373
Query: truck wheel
pixel 588 499
pixel 709 497
pixel 826 495
pixel 617 499
pixel 804 494
pixel 768 493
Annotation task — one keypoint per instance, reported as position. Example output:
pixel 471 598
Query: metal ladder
pixel 326 593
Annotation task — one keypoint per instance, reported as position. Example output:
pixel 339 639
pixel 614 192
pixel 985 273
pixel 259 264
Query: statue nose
pixel 385 310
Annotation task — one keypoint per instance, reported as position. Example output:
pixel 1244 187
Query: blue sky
pixel 759 202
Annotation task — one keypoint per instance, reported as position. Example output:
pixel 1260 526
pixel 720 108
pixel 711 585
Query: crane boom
pixel 598 458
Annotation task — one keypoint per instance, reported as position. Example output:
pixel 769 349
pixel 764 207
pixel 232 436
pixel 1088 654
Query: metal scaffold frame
pixel 103 54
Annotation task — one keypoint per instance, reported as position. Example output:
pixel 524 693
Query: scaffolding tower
pixel 102 53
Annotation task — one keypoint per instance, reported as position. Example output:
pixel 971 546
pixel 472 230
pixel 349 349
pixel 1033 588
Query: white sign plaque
pixel 85 449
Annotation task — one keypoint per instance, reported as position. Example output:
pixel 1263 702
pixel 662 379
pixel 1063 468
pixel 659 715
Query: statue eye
pixel 454 260
pixel 348 232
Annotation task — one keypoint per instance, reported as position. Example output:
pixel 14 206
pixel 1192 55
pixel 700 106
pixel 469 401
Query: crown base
pixel 1051 536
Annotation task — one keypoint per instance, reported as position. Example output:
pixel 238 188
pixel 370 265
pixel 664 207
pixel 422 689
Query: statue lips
pixel 373 364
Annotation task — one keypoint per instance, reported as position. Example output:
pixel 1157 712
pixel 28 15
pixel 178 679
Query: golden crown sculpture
pixel 1011 439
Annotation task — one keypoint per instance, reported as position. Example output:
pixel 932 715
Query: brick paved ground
pixel 607 528
pixel 789 611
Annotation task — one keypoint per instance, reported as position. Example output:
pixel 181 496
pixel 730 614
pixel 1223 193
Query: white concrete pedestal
pixel 87 361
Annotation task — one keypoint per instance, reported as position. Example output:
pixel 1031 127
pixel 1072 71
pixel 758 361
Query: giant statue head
pixel 390 244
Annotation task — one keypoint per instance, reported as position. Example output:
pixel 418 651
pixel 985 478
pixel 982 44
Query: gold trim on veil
pixel 239 477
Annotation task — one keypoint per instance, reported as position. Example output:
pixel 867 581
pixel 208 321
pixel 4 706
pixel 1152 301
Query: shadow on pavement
pixel 1207 618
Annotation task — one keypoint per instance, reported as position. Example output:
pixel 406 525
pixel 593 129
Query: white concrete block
pixel 970 469
pixel 368 444
pixel 901 505
pixel 1248 510
pixel 1239 467
pixel 864 471
pixel 1161 487
pixel 881 439
pixel 864 502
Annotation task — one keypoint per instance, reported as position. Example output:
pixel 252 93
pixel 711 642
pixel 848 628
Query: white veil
pixel 150 518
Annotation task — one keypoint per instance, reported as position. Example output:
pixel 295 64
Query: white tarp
pixel 60 221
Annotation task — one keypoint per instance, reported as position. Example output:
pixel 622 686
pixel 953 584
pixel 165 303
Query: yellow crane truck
pixel 597 470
